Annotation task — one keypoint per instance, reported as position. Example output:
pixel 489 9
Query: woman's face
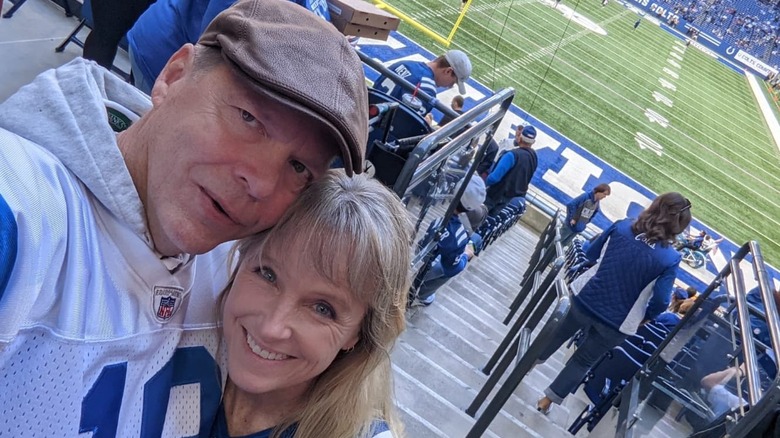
pixel 284 323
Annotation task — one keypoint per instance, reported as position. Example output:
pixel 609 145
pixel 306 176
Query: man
pixel 581 210
pixel 108 317
pixel 694 242
pixel 453 67
pixel 511 175
pixel 456 245
pixel 457 106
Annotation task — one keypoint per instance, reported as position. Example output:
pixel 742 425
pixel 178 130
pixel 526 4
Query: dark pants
pixel 112 19
pixel 599 338
pixel 567 235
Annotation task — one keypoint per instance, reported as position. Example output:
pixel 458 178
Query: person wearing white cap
pixel 453 67
pixel 513 171
pixel 453 251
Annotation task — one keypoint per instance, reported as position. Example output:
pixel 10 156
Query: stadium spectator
pixel 581 210
pixel 710 244
pixel 679 295
pixel 318 330
pixel 635 264
pixel 694 242
pixel 453 67
pixel 669 319
pixel 169 24
pixel 453 251
pixel 111 19
pixel 720 399
pixel 457 106
pixel 511 175
pixel 119 233
pixel 484 166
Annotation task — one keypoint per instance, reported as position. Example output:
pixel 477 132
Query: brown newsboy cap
pixel 295 57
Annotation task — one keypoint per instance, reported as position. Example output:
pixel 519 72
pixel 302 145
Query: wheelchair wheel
pixel 699 259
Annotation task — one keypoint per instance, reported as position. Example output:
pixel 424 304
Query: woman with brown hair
pixel 634 268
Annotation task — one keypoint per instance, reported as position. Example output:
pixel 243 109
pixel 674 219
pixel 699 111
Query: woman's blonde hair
pixel 355 222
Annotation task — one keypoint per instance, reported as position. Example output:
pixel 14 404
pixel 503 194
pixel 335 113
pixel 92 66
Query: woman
pixel 311 312
pixel 635 267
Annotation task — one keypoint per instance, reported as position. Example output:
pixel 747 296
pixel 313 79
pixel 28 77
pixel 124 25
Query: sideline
pixel 763 105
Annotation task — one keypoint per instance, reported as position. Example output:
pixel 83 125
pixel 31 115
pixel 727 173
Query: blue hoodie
pixel 630 281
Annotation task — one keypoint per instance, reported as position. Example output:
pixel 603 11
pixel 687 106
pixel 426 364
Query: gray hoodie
pixel 60 111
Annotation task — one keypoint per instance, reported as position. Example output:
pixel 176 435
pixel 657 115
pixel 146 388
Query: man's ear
pixel 177 68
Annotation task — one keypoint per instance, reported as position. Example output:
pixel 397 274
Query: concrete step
pixel 438 360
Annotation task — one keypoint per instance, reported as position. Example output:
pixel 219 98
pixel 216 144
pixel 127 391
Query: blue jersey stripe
pixel 8 244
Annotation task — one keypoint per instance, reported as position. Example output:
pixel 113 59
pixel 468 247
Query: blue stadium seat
pixel 606 379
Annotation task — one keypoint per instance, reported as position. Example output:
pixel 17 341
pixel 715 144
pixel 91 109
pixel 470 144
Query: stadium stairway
pixel 437 362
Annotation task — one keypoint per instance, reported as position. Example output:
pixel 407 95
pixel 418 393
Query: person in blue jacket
pixel 512 173
pixel 169 24
pixel 453 250
pixel 581 210
pixel 634 269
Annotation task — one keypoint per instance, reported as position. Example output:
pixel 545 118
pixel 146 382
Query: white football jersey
pixel 97 337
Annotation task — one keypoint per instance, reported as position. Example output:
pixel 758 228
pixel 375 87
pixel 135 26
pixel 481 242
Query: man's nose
pixel 261 176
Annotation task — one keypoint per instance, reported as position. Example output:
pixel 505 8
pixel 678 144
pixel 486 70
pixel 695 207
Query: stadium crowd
pixel 750 25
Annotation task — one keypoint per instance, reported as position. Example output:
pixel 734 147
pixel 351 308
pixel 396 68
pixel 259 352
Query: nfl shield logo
pixel 165 309
pixel 167 300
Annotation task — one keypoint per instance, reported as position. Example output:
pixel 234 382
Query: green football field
pixel 716 148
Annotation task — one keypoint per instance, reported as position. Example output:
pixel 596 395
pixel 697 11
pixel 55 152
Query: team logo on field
pixel 167 300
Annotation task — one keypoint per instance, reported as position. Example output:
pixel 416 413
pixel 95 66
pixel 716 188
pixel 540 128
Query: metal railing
pixel 515 345
pixel 761 399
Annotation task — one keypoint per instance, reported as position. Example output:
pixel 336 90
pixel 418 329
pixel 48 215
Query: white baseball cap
pixel 461 65
pixel 474 195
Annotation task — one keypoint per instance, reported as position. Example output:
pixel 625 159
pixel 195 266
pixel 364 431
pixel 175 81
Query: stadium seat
pixel 604 381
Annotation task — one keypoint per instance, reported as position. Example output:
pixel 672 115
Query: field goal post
pixel 421 27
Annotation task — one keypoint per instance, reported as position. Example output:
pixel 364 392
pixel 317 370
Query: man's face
pixel 518 135
pixel 222 161
pixel 600 195
pixel 444 77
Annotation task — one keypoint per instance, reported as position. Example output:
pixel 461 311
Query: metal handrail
pixel 418 167
pixel 736 285
pixel 761 403
pixel 770 312
pixel 527 361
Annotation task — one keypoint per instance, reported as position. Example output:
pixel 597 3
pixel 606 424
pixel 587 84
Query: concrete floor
pixel 28 39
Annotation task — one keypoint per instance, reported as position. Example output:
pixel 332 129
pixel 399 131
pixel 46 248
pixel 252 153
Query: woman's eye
pixel 325 310
pixel 267 273
pixel 247 116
